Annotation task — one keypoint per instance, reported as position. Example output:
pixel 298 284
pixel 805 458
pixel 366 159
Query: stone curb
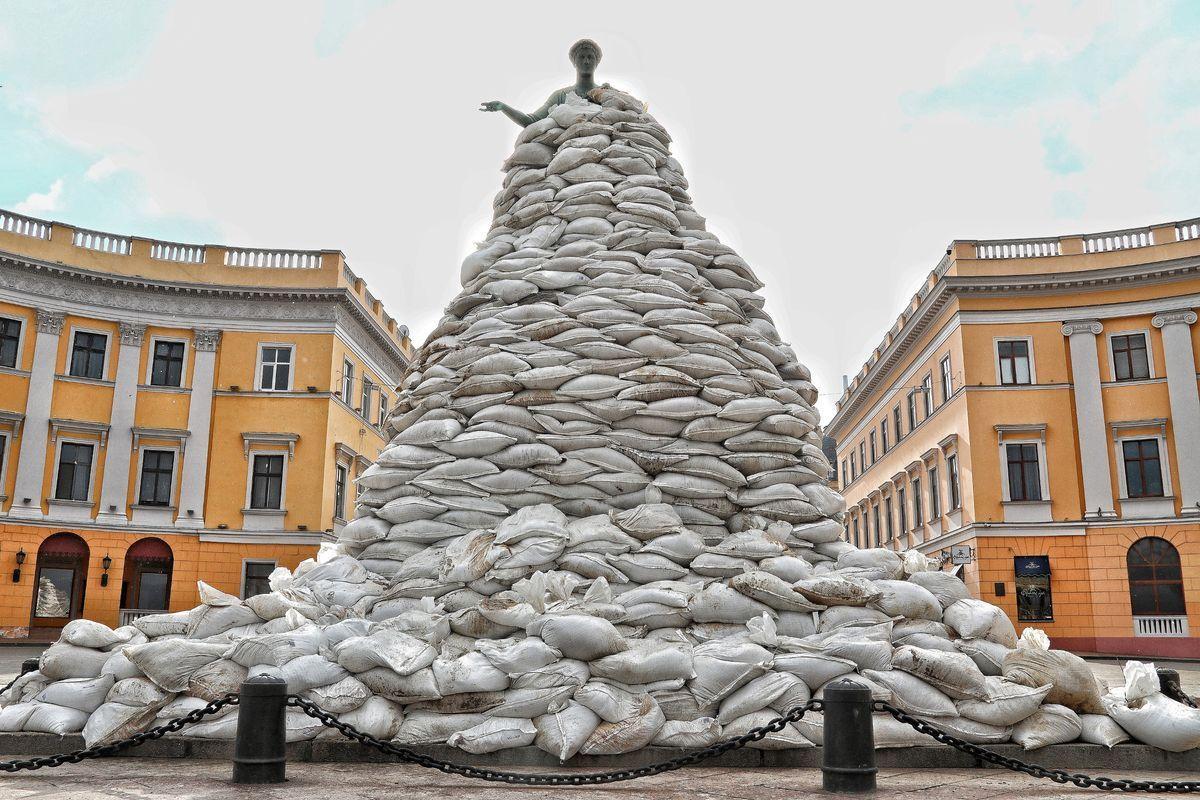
pixel 1124 758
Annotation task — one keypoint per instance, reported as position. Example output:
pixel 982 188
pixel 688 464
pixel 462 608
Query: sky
pixel 838 147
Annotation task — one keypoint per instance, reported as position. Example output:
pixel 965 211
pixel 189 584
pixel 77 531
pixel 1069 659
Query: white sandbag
pixel 339 697
pixel 790 738
pixel 907 600
pixel 14 717
pixel 120 667
pixel 498 733
pixel 1148 714
pixel 970 730
pixel 887 730
pixel 583 638
pixel 423 727
pixel 138 692
pixel 771 591
pixel 275 649
pixel 975 619
pixel 1073 684
pixel 562 734
pixel 517 655
pixel 375 717
pixel 757 695
pixel 947 588
pixel 869 647
pixel 49 718
pixel 988 656
pixel 1050 724
pixel 834 590
pixel 86 633
pixel 1103 730
pixel 471 672
pixel 84 694
pixel 688 734
pixel 566 672
pixel 217 679
pixel 815 669
pixel 529 703
pixel 723 666
pixel 631 733
pixel 887 561
pixel 59 661
pixel 396 650
pixel 953 673
pixel 1004 702
pixel 171 663
pixel 912 694
pixel 646 661
pixel 115 721
pixel 721 603
pixel 789 568
pixel 610 703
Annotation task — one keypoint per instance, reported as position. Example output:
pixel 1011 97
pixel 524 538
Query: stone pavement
pixel 149 779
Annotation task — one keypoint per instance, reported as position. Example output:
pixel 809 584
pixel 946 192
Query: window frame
pixel 251 458
pixel 104 359
pixel 935 493
pixel 259 363
pixel 1112 355
pixel 873 446
pixel 183 364
pixel 876 521
pixel 175 451
pixel 1164 466
pixel 918 502
pixel 1040 462
pixel 883 435
pixel 946 376
pixel 347 387
pixel 1154 580
pixel 853 467
pixel 382 407
pixel 92 443
pixel 897 423
pixel 246 562
pixel 20 348
pixel 927 404
pixel 6 438
pixel 366 389
pixel 862 457
pixel 911 408
pixel 341 481
pixel 902 509
pixel 1028 340
pixel 953 486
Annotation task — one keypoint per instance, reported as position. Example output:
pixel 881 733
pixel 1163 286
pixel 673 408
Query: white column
pixel 31 463
pixel 114 493
pixel 1089 418
pixel 1185 402
pixel 194 474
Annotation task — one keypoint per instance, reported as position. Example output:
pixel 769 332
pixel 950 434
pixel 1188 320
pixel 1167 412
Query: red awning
pixel 149 550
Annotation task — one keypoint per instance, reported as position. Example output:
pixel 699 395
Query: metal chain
pixel 100 751
pixel 525 779
pixel 1037 771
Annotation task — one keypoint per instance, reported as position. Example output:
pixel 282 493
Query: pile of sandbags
pixel 601 522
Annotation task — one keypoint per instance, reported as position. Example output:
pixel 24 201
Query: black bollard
pixel 30 665
pixel 848 755
pixel 260 750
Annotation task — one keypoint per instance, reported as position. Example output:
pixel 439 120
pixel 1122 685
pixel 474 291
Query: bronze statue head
pixel 585 55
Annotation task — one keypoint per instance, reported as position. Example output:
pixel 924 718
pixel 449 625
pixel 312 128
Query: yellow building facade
pixel 1033 417
pixel 174 412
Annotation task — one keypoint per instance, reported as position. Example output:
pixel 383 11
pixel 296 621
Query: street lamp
pixel 105 562
pixel 20 560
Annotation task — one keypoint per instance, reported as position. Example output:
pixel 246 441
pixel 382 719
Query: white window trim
pixel 340 514
pixel 95 443
pixel 108 340
pixel 366 395
pixel 6 437
pixel 1112 361
pixel 246 509
pixel 1122 436
pixel 245 561
pixel 996 359
pixel 928 401
pixel 946 371
pixel 258 365
pixel 174 475
pixel 382 407
pixel 347 387
pixel 183 372
pixel 20 338
pixel 1043 472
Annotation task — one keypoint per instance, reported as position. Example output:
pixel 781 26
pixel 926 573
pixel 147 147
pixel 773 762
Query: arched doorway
pixel 1156 588
pixel 58 586
pixel 146 581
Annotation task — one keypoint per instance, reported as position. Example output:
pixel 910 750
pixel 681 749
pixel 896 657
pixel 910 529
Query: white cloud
pixel 42 202
pixel 102 169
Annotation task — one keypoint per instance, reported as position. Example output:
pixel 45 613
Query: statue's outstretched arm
pixel 520 117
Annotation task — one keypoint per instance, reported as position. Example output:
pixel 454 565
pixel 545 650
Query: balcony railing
pixel 26 226
pixel 278 259
pixel 1160 626
pixel 102 242
pixel 1186 230
pixel 1118 240
pixel 1017 248
pixel 172 251
pixel 128 615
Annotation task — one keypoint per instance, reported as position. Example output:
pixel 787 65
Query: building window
pixel 347 380
pixel 158 467
pixel 927 395
pixel 1034 603
pixel 896 423
pixel 339 491
pixel 883 434
pixel 857 541
pixel 87 354
pixel 918 511
pixel 74 471
pixel 1014 362
pixel 365 404
pixel 256 577
pixel 845 472
pixel 935 495
pixel 952 482
pixel 874 453
pixel 902 507
pixel 1143 468
pixel 947 380
pixel 912 410
pixel 166 369
pixel 853 468
pixel 875 520
pixel 383 408
pixel 862 456
pixel 1131 361
pixel 266 483
pixel 1024 472
pixel 275 374
pixel 887 510
pixel 1155 578
pixel 10 341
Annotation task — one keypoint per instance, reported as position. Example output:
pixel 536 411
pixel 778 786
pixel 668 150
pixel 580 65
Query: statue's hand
pixel 491 105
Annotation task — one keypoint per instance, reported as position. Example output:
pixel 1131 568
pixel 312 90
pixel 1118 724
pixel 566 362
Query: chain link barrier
pixel 552 779
pixel 1036 770
pixel 104 750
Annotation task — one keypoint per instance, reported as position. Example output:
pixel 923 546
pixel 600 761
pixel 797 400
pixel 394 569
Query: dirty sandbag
pixel 988 656
pixel 138 692
pixel 953 673
pixel 561 734
pixel 868 646
pixel 976 619
pixel 396 650
pixel 86 633
pixel 721 603
pixel 648 521
pixel 631 733
pixel 1149 715
pixel 692 733
pixel 564 672
pixel 790 738
pixel 84 694
pixel 375 717
pixel 947 588
pixel 60 661
pixel 1050 724
pixel 756 695
pixel 497 733
pixel 307 672
pixel 610 703
pixel 269 605
pixel 423 727
pixel 338 697
pixel 834 590
pixel 911 694
pixel 517 655
pixel 49 718
pixel 971 731
pixel 907 600
pixel 112 722
pixel 789 568
pixel 471 672
pixel 886 729
pixel 530 703
pixel 172 662
pixel 1004 703
pixel 1103 730
pixel 403 689
pixel 646 661
pixel 208 621
pixel 723 666
pixel 1073 683
pixel 276 649
pixel 886 560
pixel 772 591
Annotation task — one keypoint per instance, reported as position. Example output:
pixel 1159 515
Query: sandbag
pixel 1103 730
pixel 59 661
pixel 632 733
pixel 562 734
pixel 1072 682
pixel 1004 702
pixel 375 717
pixel 646 662
pixel 975 619
pixel 499 733
pixel 86 633
pixel 584 638
pixel 1050 724
pixel 790 738
pixel 171 663
pixel 953 673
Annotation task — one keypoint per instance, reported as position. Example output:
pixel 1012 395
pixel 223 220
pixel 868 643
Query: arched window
pixel 1155 578
pixel 62 563
pixel 146 581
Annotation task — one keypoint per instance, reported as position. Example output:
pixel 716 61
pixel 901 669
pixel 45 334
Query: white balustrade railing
pixel 102 242
pixel 277 259
pixel 1018 248
pixel 1187 230
pixel 26 226
pixel 171 251
pixel 128 615
pixel 1160 626
pixel 1117 240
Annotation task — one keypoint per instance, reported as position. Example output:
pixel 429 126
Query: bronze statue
pixel 585 55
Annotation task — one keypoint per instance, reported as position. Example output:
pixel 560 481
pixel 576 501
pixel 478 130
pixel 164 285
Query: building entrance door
pixel 59 581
